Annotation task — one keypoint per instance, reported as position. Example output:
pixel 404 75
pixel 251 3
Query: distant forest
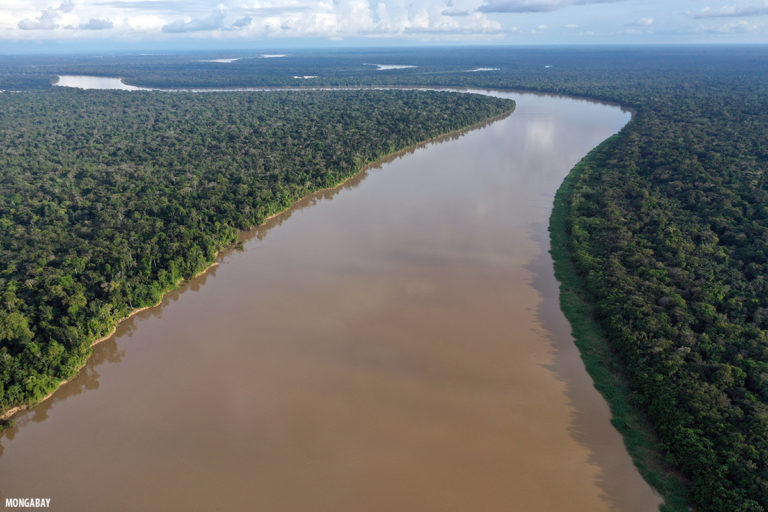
pixel 667 223
pixel 109 199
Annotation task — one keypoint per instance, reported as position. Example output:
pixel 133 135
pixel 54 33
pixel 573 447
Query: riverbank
pixel 601 362
pixel 413 282
pixel 5 418
pixel 7 415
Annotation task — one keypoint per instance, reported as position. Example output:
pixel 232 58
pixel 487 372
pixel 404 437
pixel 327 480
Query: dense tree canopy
pixel 668 223
pixel 108 199
pixel 669 227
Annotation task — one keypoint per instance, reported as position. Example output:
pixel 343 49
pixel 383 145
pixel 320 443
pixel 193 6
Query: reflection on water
pixel 397 346
pixel 327 194
pixel 95 82
pixel 87 379
pixel 107 351
pixel 588 424
pixel 540 135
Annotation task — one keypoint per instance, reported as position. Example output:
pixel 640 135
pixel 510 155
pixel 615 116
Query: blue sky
pixel 289 22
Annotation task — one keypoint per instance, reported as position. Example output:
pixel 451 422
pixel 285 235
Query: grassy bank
pixel 601 363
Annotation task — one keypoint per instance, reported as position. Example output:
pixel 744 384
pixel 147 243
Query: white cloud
pixel 738 27
pixel 147 23
pixel 48 19
pixel 732 11
pixel 96 24
pixel 458 20
pixel 520 6
pixel 350 18
pixel 532 6
pixel 454 12
pixel 174 7
pixel 213 21
pixel 243 22
pixel 643 22
pixel 45 21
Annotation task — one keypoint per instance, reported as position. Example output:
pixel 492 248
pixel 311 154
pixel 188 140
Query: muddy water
pixel 394 345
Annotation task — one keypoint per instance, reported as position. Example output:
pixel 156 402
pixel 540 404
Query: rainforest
pixel 108 199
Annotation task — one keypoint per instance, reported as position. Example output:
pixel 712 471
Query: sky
pixel 276 23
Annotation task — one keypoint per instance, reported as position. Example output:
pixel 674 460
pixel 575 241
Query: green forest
pixel 666 223
pixel 109 199
pixel 668 227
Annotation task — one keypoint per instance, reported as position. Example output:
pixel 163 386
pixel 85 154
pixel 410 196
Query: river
pixel 395 344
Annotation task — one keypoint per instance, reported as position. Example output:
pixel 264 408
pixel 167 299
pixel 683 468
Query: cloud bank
pixel 514 21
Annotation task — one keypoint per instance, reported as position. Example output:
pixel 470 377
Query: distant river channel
pixel 395 344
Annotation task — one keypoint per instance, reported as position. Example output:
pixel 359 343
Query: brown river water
pixel 395 344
